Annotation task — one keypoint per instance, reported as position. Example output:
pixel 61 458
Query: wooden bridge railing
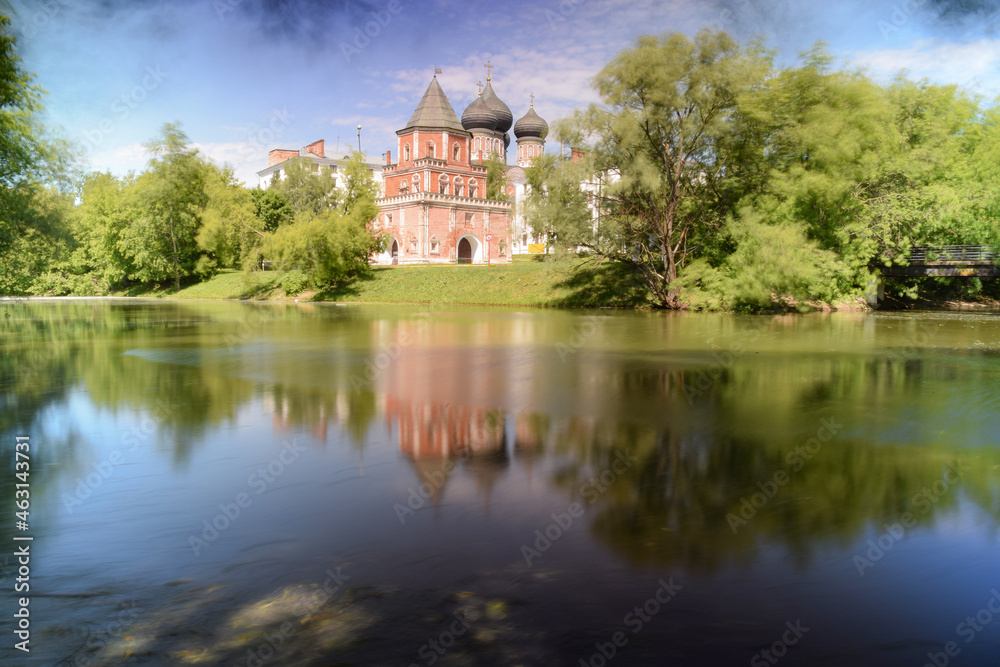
pixel 954 253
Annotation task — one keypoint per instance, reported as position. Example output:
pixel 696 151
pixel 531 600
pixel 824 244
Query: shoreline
pixel 920 305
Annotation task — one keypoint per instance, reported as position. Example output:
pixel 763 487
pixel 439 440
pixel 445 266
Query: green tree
pixel 108 205
pixel 272 209
pixel 663 142
pixel 360 188
pixel 36 173
pixel 308 187
pixel 20 145
pixel 930 190
pixel 496 179
pixel 161 241
pixel 331 248
pixel 230 233
pixel 810 139
pixel 556 203
pixel 823 134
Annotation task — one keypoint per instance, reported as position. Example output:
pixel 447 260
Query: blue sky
pixel 246 76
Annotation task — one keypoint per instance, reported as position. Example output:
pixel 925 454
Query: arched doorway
pixel 395 252
pixel 464 251
pixel 469 250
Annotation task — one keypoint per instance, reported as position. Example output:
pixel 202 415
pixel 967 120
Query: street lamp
pixel 359 139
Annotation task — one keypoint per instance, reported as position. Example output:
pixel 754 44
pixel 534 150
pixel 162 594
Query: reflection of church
pixel 435 435
pixel 435 208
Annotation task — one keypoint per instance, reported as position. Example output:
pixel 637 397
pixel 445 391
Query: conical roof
pixel 478 116
pixel 504 117
pixel 531 125
pixel 434 110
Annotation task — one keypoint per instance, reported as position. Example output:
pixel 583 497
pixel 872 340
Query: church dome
pixel 531 125
pixel 504 117
pixel 478 116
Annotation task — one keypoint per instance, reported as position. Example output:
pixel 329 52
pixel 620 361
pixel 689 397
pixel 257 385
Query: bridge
pixel 956 261
pixel 960 261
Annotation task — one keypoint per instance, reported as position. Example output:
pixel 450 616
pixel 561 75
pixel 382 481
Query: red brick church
pixel 435 208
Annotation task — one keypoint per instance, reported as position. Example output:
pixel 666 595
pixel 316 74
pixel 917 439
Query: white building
pixel 315 153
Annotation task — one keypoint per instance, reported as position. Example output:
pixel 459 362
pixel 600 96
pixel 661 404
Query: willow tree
pixel 661 152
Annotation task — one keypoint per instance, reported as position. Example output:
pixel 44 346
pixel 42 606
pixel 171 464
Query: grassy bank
pixel 527 282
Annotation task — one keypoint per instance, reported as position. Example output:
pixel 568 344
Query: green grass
pixel 529 281
pixel 226 284
pixel 532 282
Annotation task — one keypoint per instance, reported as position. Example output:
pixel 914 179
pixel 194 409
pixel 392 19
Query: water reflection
pixel 513 416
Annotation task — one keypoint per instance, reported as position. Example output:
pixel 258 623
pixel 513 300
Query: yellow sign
pixel 536 248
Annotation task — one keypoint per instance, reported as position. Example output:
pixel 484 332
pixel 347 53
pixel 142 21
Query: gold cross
pixel 532 96
pixel 479 88
pixel 489 70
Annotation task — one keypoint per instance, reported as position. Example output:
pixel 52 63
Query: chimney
pixel 388 158
pixel 317 148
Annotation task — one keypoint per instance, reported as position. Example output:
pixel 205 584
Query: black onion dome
pixel 504 117
pixel 531 125
pixel 478 116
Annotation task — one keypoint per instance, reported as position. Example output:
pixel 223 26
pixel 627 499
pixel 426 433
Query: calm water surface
pixel 248 484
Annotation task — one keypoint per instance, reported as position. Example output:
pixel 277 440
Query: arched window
pixel 416 182
pixel 479 144
pixel 430 149
pixel 413 244
pixel 473 187
pixel 456 152
pixel 443 184
pixel 459 190
pixel 404 187
pixel 406 152
pixel 435 246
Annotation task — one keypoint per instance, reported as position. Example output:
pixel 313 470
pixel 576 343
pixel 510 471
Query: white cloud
pixel 972 65
pixel 121 160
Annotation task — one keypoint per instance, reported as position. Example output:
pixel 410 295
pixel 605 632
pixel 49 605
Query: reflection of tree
pixel 704 429
pixel 673 505
pixel 42 351
pixel 696 462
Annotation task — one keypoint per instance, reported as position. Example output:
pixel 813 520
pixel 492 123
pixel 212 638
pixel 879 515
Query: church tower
pixel 496 140
pixel 435 208
pixel 530 131
pixel 480 120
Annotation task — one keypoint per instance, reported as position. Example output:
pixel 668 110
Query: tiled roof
pixel 434 110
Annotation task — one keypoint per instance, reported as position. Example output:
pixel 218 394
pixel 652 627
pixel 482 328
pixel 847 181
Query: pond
pixel 316 484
